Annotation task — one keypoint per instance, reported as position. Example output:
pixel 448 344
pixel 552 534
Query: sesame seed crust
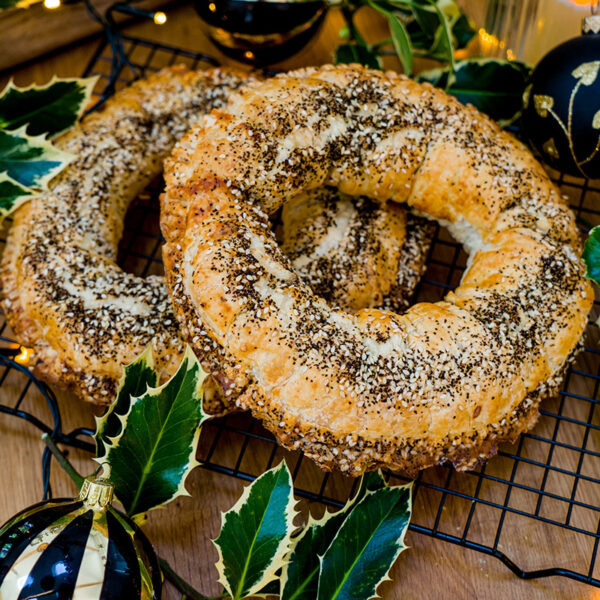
pixel 441 382
pixel 62 291
pixel 354 252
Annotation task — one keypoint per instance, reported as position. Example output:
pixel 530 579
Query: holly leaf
pixel 591 255
pixel 12 195
pixel 31 161
pixel 366 545
pixel 155 451
pixel 255 534
pixel 493 86
pixel 356 53
pixel 136 379
pixel 300 576
pixel 49 109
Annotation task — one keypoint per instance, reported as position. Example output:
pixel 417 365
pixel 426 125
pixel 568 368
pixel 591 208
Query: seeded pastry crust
pixel 353 251
pixel 62 292
pixel 442 382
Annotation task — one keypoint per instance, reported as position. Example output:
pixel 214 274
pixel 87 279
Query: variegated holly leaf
pixel 591 255
pixel 31 161
pixel 366 545
pixel 48 109
pixel 155 451
pixel 493 86
pixel 300 576
pixel 136 379
pixel 12 195
pixel 255 534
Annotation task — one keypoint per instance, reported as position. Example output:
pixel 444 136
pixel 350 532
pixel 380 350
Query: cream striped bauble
pixel 77 549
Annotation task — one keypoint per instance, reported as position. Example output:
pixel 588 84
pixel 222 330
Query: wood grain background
pixel 431 569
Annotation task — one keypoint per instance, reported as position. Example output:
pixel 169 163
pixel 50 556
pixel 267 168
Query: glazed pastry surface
pixel 442 382
pixel 62 291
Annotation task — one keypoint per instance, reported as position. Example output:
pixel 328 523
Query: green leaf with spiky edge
pixel 300 576
pixel 48 109
pixel 12 195
pixel 255 534
pixel 31 161
pixel 591 255
pixel 137 377
pixel 493 86
pixel 155 451
pixel 366 545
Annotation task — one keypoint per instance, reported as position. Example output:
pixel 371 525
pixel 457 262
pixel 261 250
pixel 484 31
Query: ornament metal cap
pixel 97 491
pixel 591 24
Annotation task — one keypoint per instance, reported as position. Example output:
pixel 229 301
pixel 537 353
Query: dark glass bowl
pixel 260 32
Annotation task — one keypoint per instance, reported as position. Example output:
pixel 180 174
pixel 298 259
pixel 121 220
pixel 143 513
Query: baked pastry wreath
pixel 442 382
pixel 62 291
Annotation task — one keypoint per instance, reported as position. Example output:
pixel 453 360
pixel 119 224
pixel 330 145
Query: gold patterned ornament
pixel 562 104
pixel 80 548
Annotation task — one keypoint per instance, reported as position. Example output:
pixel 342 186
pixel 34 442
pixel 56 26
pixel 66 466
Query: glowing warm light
pixel 212 7
pixel 489 43
pixel 249 55
pixel 51 3
pixel 160 18
pixel 23 357
pixel 581 2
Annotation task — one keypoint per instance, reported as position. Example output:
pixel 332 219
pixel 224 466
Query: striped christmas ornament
pixel 77 549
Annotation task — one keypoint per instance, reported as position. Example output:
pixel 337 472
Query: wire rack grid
pixel 544 487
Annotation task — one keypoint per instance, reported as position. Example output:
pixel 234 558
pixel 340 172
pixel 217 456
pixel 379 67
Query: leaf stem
pixel 63 461
pixel 181 585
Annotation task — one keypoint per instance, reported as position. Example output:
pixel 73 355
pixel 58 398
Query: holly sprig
pixel 149 437
pixel 435 29
pixel 29 118
pixel 591 255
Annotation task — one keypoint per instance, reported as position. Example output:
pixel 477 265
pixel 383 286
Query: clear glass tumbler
pixel 525 29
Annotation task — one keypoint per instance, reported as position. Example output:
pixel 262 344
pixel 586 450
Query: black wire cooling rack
pixel 546 486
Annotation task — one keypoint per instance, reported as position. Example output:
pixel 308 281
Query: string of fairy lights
pixel 159 17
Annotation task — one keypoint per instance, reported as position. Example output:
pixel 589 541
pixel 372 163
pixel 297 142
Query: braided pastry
pixel 62 291
pixel 355 252
pixel 443 382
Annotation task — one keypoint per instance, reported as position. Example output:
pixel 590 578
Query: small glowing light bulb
pixel 249 55
pixel 212 7
pixel 160 18
pixel 51 4
pixel 23 357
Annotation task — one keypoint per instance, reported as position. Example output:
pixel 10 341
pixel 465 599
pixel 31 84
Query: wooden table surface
pixel 430 569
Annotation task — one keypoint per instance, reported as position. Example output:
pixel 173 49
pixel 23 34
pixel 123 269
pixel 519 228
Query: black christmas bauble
pixel 261 32
pixel 79 549
pixel 562 105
